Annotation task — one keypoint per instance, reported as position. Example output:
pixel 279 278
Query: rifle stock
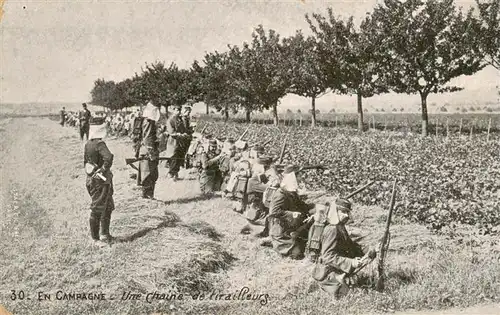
pixel 384 245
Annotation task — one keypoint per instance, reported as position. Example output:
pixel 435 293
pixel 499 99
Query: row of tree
pixel 412 47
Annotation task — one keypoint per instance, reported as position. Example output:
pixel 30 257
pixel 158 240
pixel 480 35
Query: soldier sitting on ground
pixel 340 257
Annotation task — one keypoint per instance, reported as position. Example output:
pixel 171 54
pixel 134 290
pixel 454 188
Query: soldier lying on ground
pixel 340 257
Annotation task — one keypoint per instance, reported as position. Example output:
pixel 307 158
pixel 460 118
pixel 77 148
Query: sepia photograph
pixel 278 157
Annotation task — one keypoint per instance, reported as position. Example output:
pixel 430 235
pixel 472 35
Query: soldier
pixel 98 160
pixel 177 140
pixel 287 213
pixel 210 176
pixel 340 257
pixel 148 166
pixel 226 163
pixel 84 118
pixel 186 119
pixel 63 116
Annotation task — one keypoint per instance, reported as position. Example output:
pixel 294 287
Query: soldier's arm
pixel 204 161
pixel 107 156
pixel 330 247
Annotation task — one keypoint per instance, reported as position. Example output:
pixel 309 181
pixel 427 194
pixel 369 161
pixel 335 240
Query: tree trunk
pixel 313 107
pixel 360 113
pixel 247 115
pixel 425 117
pixel 226 114
pixel 275 114
pixel 207 112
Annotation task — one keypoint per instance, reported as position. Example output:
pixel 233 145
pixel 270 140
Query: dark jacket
pixel 175 124
pixel 97 152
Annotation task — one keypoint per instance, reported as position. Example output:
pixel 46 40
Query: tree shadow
pixel 191 199
pixel 169 220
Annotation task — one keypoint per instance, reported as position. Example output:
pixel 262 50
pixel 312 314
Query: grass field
pixel 183 243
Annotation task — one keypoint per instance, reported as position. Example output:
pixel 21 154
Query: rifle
pixel 243 134
pixel 384 244
pixel 357 191
pixel 130 161
pixel 282 153
pixel 204 128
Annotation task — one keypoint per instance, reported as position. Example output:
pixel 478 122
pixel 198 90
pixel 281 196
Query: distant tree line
pixel 410 47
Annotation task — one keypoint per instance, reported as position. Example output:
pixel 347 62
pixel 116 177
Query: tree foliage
pixel 489 15
pixel 426 44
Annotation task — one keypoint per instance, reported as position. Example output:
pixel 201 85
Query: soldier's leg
pixel 94 221
pixel 106 217
pixel 81 133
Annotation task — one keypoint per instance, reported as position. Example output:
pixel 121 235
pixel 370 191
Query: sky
pixel 52 51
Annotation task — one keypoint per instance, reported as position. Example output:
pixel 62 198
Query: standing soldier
pixel 178 134
pixel 287 213
pixel 63 116
pixel 186 119
pixel 210 176
pixel 84 117
pixel 148 166
pixel 340 256
pixel 98 160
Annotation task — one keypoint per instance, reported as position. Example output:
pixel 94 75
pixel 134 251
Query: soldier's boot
pixel 94 226
pixel 105 222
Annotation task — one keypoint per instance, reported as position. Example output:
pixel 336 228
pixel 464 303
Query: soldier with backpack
pixel 339 256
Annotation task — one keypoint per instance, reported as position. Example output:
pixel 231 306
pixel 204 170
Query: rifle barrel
pixel 360 189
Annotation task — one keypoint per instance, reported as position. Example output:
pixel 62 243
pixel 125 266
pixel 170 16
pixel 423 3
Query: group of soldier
pixel 265 192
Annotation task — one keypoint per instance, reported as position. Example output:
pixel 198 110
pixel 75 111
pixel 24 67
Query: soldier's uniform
pixel 148 166
pixel 287 213
pixel 210 176
pixel 84 119
pixel 100 159
pixel 338 252
pixel 177 143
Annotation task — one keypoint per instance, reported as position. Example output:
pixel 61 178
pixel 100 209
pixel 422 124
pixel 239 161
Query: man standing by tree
pixel 178 134
pixel 98 160
pixel 84 117
pixel 148 166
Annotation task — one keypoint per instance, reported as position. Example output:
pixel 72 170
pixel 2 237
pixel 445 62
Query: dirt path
pixel 178 242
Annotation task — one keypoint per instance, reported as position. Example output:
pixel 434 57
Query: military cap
pixel 212 142
pixel 258 148
pixel 343 205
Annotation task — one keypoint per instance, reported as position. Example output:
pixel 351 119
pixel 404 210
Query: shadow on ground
pixel 169 220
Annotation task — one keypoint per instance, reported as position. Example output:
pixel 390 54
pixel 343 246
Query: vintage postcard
pixel 250 157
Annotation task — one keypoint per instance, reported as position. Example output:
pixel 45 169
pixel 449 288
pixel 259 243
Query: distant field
pixel 403 122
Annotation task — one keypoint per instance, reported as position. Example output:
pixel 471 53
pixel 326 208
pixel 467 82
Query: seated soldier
pixel 340 257
pixel 287 213
pixel 226 162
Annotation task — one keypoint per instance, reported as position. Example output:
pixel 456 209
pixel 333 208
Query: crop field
pixel 456 124
pixel 184 243
pixel 443 182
